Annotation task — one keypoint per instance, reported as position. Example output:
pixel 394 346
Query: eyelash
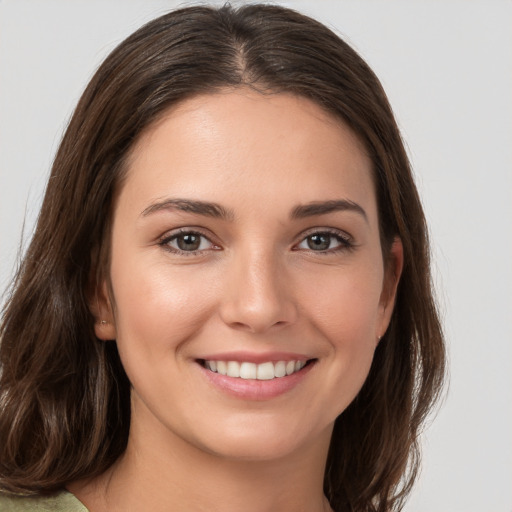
pixel 345 241
pixel 166 240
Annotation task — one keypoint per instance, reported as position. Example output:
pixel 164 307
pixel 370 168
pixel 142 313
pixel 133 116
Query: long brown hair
pixel 64 396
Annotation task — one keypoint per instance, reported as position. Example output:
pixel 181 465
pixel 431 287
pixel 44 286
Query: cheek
pixel 157 307
pixel 345 311
pixel 345 304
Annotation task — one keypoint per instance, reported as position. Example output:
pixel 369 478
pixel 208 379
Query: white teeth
pixel 248 371
pixel 280 369
pixel 222 368
pixel 233 369
pixel 290 367
pixel 263 371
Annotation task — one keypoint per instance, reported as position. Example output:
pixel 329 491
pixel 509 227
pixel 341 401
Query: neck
pixel 161 472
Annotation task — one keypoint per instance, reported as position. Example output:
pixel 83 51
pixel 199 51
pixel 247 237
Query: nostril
pixel 256 307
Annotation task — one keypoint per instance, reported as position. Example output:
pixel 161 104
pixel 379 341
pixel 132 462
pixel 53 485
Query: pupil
pixel 319 242
pixel 189 242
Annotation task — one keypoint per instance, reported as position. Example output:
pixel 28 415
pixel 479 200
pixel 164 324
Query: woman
pixel 227 299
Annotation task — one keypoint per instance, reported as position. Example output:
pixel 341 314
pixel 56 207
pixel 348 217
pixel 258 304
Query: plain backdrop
pixel 447 68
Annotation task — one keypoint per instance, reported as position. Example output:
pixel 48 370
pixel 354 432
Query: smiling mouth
pixel 251 371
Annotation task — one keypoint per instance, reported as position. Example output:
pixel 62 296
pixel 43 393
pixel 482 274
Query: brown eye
pixel 319 242
pixel 326 242
pixel 188 242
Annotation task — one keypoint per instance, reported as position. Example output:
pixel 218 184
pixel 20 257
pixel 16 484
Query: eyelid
pixel 166 238
pixel 346 240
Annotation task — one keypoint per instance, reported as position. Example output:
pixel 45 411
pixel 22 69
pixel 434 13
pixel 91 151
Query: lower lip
pixel 253 389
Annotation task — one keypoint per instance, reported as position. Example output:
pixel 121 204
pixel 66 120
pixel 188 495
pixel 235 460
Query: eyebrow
pixel 189 205
pixel 324 207
pixel 217 211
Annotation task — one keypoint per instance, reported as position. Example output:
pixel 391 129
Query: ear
pixel 392 273
pixel 100 306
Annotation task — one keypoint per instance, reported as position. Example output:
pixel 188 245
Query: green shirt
pixel 61 502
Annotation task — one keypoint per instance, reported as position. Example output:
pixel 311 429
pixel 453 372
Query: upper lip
pixel 255 357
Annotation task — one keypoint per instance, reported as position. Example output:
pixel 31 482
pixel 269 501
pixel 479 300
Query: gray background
pixel 447 68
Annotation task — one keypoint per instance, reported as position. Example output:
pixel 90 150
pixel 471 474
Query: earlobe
pixel 392 274
pixel 105 330
pixel 101 308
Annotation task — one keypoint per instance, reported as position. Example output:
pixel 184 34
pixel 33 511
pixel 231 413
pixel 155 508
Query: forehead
pixel 276 146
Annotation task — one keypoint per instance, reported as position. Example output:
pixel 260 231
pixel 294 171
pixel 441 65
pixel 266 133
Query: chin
pixel 262 439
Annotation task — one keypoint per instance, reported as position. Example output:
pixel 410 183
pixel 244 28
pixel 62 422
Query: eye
pixel 325 241
pixel 187 242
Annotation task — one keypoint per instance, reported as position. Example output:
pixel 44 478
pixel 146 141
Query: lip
pixel 257 358
pixel 253 389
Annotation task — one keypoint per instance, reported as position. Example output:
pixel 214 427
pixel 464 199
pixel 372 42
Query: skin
pixel 255 285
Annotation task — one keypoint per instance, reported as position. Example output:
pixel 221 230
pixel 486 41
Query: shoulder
pixel 62 502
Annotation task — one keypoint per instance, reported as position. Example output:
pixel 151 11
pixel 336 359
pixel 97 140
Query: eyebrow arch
pixel 189 205
pixel 324 207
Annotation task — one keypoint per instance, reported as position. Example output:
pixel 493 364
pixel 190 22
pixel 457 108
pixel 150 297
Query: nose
pixel 258 294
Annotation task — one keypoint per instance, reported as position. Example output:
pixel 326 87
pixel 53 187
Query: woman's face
pixel 247 274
